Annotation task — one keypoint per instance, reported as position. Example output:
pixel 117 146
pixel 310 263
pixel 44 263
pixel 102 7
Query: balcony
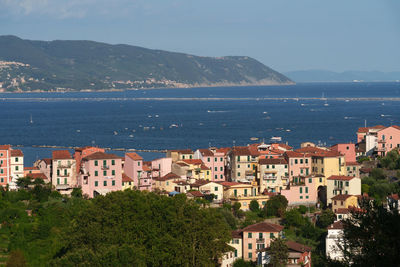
pixel 382 141
pixel 269 177
pixel 105 167
pixel 260 240
pixel 64 166
pixel 63 174
pixel 381 149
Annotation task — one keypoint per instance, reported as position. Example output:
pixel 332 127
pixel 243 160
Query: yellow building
pixel 127 182
pixel 243 193
pixel 243 164
pixel 167 183
pixel 180 154
pixel 344 202
pixel 192 168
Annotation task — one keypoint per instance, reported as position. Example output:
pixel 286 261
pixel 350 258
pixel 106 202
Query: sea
pixel 159 119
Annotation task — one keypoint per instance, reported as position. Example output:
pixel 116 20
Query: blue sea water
pixel 204 116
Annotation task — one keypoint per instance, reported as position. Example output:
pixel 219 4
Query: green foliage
pixel 278 252
pixel 294 218
pixel 362 159
pixel 391 161
pixel 76 192
pixel 276 206
pixel 377 174
pixel 254 206
pixel 326 218
pixel 16 259
pixel 302 209
pixel 371 238
pixel 242 263
pixel 365 188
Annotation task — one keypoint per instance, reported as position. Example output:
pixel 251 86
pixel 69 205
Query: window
pixel 307 197
pixel 105 173
pixel 215 159
pixel 301 197
pixel 245 192
pixel 221 159
pixel 58 180
pixel 250 255
pixel 96 183
pixel 267 166
pixel 113 172
pixel 238 158
pixel 16 168
pixel 347 183
pixel 216 188
pixel 236 253
pixel 138 163
pixel 183 156
pixel 105 183
pixel 65 181
pixel 260 235
pixel 248 166
pixel 190 156
pixel 301 161
pixel 238 166
pixel 58 172
pixel 248 158
pixel 263 203
pixel 340 216
pixel 96 163
pixel 306 190
pixel 306 161
pixel 295 161
pixel 301 171
pixel 271 235
pixel 16 159
pixel 221 176
pixel 208 159
pixel 301 190
pixel 216 176
pixel 238 174
pixel 65 171
pixel 221 169
pixel 250 246
pixel 306 171
pixel 235 192
pixel 113 182
pixel 167 183
pixel 273 166
pixel 249 235
pixel 208 172
pixel 96 173
pixel 215 168
pixel 113 162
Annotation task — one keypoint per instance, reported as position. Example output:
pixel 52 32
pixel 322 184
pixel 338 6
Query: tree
pixel 377 174
pixel 254 206
pixel 276 206
pixel 302 209
pixel 242 263
pixel 278 252
pixel 326 218
pixel 371 236
pixel 294 218
pixel 76 192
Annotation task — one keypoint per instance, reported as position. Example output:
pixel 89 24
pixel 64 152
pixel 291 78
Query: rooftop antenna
pixel 365 123
pixel 209 144
pixel 234 143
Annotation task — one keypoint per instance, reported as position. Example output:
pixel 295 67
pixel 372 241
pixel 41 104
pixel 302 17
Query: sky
pixel 285 35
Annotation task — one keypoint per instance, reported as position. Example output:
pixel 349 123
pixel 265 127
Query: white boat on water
pixel 276 139
pixel 254 138
pixel 115 133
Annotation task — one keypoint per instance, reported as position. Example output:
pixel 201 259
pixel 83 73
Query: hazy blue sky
pixel 283 34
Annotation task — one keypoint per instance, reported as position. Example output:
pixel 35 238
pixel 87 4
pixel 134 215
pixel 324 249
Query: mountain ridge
pixel 62 65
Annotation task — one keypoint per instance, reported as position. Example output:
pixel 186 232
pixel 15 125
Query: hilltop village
pixel 311 176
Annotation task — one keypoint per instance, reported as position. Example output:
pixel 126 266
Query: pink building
pixel 84 152
pixel 299 164
pixel 134 169
pixel 348 150
pixel 161 167
pixel 5 158
pixel 363 131
pixel 213 160
pixel 388 139
pixel 100 173
pixel 258 236
pixel 301 191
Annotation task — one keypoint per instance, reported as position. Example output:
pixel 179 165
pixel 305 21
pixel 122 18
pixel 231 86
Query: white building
pixel 342 185
pixel 213 188
pixel 16 167
pixel 333 240
pixel 273 174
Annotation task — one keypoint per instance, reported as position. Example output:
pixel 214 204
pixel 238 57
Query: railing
pixel 68 165
pixel 260 240
pixel 63 174
pixel 269 177
pixel 105 167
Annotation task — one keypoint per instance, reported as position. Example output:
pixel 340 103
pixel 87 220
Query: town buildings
pixel 64 176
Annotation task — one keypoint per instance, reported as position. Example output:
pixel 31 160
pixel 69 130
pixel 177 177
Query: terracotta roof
pixel 61 154
pixel 195 193
pixel 352 163
pixel 394 196
pixel 101 155
pixel 241 151
pixel 298 247
pixel 318 152
pixel 199 182
pixel 237 233
pixel 126 178
pixel 134 156
pixel 342 211
pixel 272 161
pixel 5 147
pixel 340 177
pixel 341 197
pixel 16 153
pixel 396 127
pixel 263 227
pixel 204 167
pixel 168 176
pixel 37 176
pixel 285 146
pixel 183 151
pixel 366 129
pixel 30 168
pixel 293 154
pixel 229 184
pixel 47 161
pixel 193 161
pixel 336 225
pixel 206 152
pixel 146 168
pixel 223 150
